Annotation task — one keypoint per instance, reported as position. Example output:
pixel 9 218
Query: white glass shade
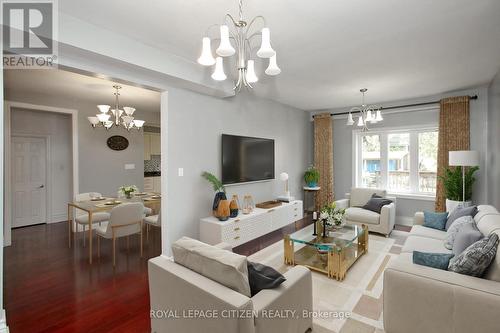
pixel 103 117
pixel 103 108
pixel 206 58
pixel 369 116
pixel 120 112
pixel 93 120
pixel 266 51
pixel 379 116
pixel 463 158
pixel 225 48
pixel 138 123
pixel 283 176
pixel 350 121
pixel 251 77
pixel 127 119
pixel 273 68
pixel 128 110
pixel 360 121
pixel 108 124
pixel 218 74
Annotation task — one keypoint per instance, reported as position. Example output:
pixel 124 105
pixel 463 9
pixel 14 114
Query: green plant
pixel 216 183
pixel 311 175
pixel 452 181
pixel 332 214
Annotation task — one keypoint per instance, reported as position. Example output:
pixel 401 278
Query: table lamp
pixel 463 158
pixel 286 197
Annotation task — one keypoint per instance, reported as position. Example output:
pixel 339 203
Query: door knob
pixel 41 186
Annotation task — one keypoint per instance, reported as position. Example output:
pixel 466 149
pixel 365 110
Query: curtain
pixel 323 158
pixel 454 134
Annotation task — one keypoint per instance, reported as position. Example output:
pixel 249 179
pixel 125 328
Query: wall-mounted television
pixel 246 159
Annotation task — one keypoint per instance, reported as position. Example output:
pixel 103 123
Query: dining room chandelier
pixel 242 33
pixel 367 113
pixel 121 117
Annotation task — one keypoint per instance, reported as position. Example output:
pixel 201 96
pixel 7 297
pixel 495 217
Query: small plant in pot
pixel 453 186
pixel 220 195
pixel 311 176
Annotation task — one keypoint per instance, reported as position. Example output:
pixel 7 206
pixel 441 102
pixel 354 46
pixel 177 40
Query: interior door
pixel 29 164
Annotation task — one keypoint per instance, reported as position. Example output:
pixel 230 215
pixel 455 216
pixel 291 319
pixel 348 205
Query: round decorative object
pixel 117 142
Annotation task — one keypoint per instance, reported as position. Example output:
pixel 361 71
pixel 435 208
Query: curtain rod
pixel 398 106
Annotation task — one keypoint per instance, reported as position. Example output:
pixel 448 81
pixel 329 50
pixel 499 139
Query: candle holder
pixel 324 227
pixel 315 220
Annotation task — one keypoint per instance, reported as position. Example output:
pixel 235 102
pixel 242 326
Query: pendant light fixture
pixel 368 113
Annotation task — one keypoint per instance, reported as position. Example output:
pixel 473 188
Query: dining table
pixel 106 204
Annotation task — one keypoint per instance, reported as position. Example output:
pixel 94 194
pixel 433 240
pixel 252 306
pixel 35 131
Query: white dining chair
pixel 153 220
pixel 82 217
pixel 125 220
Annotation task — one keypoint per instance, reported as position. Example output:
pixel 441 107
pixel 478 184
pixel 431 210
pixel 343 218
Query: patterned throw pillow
pixel 459 212
pixel 474 261
pixel 464 222
pixel 435 220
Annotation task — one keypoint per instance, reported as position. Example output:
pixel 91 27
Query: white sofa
pixel 382 223
pixel 423 299
pixel 177 289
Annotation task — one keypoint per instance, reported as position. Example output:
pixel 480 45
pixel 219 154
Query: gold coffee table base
pixel 335 262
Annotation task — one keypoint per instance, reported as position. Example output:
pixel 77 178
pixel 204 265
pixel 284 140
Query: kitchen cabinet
pixel 152 145
pixel 152 184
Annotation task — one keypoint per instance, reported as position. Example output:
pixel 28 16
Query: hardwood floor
pixel 51 288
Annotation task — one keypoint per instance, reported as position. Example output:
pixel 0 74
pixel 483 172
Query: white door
pixel 29 164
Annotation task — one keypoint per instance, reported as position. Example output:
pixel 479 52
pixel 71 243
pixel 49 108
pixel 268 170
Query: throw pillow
pixel 459 212
pixel 376 203
pixel 461 223
pixel 434 260
pixel 476 259
pixel 435 220
pixel 263 277
pixel 464 239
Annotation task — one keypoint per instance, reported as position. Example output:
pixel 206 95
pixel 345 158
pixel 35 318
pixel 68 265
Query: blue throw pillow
pixel 434 260
pixel 435 220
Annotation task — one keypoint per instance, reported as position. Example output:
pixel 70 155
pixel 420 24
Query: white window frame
pixel 414 193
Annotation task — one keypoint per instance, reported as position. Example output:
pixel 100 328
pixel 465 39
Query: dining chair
pixel 125 220
pixel 82 218
pixel 153 220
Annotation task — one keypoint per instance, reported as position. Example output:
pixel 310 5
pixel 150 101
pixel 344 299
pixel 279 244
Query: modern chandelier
pixel 368 113
pixel 121 117
pixel 240 31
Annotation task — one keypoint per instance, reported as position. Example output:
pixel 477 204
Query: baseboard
pixel 58 218
pixel 404 220
pixel 3 322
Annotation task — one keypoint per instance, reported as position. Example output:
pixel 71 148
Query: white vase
pixel 451 205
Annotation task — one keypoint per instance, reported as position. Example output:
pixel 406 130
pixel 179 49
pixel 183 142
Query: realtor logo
pixel 29 34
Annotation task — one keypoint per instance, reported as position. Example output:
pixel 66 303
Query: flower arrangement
pixel 127 190
pixel 334 216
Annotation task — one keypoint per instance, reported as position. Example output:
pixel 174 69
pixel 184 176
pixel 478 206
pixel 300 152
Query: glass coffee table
pixel 332 255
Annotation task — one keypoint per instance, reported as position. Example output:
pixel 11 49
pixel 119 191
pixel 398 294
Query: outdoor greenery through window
pixel 402 161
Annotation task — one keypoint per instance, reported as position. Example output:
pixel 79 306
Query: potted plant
pixel 127 190
pixel 453 186
pixel 333 216
pixel 311 176
pixel 220 191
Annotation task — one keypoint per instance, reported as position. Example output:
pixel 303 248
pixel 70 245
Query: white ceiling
pixel 327 49
pixel 73 86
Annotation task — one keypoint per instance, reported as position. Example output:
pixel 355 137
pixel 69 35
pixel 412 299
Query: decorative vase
pixel 128 195
pixel 312 184
pixel 248 205
pixel 234 206
pixel 218 197
pixel 223 210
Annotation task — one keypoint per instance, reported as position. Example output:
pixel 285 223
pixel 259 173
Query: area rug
pixel 358 298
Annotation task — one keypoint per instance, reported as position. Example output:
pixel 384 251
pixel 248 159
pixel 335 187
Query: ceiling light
pixel 219 74
pixel 273 68
pixel 366 113
pixel 206 58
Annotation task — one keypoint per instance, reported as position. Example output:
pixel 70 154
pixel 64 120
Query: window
pixel 401 160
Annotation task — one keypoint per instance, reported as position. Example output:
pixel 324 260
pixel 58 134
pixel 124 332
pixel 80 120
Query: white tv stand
pixel 244 228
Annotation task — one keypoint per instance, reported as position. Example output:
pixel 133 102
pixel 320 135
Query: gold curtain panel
pixel 323 158
pixel 454 134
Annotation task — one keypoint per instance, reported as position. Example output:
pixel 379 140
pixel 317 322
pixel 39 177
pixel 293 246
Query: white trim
pixel 413 196
pixel 48 171
pixel 8 105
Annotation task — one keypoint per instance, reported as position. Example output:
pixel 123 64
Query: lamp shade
pixel 463 158
pixel 265 51
pixel 283 176
pixel 225 48
pixel 251 76
pixel 206 58
pixel 218 74
pixel 350 121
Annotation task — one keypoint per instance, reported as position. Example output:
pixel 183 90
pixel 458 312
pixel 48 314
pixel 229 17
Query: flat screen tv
pixel 246 159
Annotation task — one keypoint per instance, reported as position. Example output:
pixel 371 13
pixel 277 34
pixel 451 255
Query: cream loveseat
pixel 424 299
pixel 382 223
pixel 177 292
